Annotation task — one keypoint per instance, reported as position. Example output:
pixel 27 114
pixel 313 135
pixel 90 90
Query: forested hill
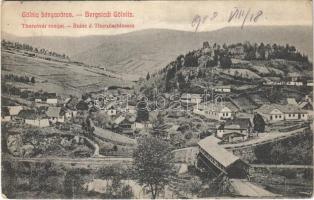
pixel 241 64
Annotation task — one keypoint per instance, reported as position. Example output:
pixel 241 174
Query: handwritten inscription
pixel 236 15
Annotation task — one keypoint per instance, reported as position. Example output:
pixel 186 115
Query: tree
pixel 152 164
pixel 259 123
pixel 82 105
pixel 73 182
pixel 225 61
pixel 33 79
pixel 142 111
pixel 159 127
pixel 147 76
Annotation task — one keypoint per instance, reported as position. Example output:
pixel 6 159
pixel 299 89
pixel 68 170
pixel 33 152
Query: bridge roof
pixel 221 155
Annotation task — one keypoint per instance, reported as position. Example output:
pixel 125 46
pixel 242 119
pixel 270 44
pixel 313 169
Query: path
pixel 94 161
pixel 244 188
pixel 264 138
pixel 113 137
pixel 282 166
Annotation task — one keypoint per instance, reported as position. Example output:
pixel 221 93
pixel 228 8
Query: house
pixel 235 130
pixel 243 103
pixel 131 109
pixel 111 111
pixel 258 99
pixel 119 119
pixel 125 126
pixel 55 114
pixel 222 88
pixel 5 114
pixel 277 112
pixel 69 114
pixel 218 160
pixel 13 111
pixel 237 51
pixel 31 117
pixel 191 98
pixel 142 125
pixel 217 111
pixel 291 101
pixel 50 98
pixel 306 105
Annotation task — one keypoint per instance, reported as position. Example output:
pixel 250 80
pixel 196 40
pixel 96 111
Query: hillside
pixel 149 50
pixel 63 78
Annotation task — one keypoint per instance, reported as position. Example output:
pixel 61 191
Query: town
pixel 225 120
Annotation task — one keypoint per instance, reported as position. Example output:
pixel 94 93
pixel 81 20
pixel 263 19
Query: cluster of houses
pixel 40 117
pixel 236 122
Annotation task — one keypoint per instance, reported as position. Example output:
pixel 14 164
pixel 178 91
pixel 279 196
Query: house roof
pixel 119 119
pixel 53 111
pixel 258 99
pixel 30 114
pixel 217 107
pixel 187 95
pixel 304 104
pixel 49 95
pixel 267 108
pixel 292 101
pixel 234 133
pixel 14 110
pixel 221 155
pixel 243 123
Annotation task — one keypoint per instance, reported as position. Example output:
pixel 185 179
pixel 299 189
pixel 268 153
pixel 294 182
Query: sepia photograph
pixel 157 99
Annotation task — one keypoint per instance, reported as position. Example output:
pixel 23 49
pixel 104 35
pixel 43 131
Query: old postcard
pixel 156 99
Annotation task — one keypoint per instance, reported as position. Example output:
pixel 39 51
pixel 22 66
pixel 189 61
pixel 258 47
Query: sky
pixel 178 15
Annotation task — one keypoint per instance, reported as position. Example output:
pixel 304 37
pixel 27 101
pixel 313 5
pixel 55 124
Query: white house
pixel 37 122
pixel 222 88
pixel 55 115
pixel 51 98
pixel 276 112
pixel 234 130
pixel 140 126
pixel 191 98
pixel 14 110
pixel 217 111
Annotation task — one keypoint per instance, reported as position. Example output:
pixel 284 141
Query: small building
pixel 237 51
pixel 306 105
pixel 131 109
pixel 222 89
pixel 55 114
pixel 119 119
pixel 235 130
pixel 5 114
pixel 111 111
pixel 51 98
pixel 191 98
pixel 142 125
pixel 69 114
pixel 14 110
pixel 218 160
pixel 276 112
pixel 125 127
pixel 217 111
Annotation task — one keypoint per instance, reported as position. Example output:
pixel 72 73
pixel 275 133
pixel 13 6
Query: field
pixel 59 77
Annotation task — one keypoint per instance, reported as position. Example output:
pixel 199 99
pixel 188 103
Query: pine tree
pixel 147 76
